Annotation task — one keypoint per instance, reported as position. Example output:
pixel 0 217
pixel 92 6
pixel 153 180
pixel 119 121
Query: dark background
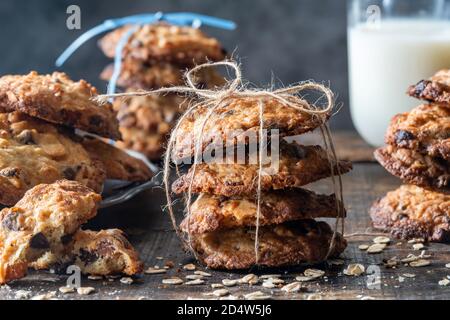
pixel 284 40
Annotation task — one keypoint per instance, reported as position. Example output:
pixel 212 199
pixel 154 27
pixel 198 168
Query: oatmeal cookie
pixel 152 145
pixel 179 45
pixel 33 152
pixel 141 76
pixel 286 244
pixel 45 219
pixel 58 99
pixel 211 213
pixel 413 212
pixel 298 165
pixel 118 164
pixel 436 89
pixel 425 129
pixel 415 168
pixel 237 120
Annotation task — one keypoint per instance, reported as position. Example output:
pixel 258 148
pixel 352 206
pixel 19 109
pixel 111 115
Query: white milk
pixel 384 60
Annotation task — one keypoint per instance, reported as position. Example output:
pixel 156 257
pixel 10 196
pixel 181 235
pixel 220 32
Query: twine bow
pixel 212 100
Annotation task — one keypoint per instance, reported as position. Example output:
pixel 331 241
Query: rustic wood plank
pixel 151 232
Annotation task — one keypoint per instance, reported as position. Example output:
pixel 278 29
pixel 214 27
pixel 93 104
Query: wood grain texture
pixel 150 230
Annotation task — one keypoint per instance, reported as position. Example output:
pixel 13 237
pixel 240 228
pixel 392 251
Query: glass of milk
pixel 392 44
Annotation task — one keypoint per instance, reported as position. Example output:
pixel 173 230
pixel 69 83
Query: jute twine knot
pixel 212 100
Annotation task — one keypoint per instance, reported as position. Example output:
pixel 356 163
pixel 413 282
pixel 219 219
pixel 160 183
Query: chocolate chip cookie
pixel 33 152
pixel 436 89
pixel 415 168
pixel 413 212
pixel 57 99
pixel 179 45
pixel 45 219
pixel 152 145
pixel 426 129
pixel 297 166
pixel 118 164
pixel 237 120
pixel 211 213
pixel 285 244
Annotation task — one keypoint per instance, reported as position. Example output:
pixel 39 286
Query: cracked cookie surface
pixel 297 166
pixel 426 129
pixel 45 219
pixel 413 212
pixel 210 213
pixel 57 99
pixel 286 244
pixel 33 152
pixel 436 89
pixel 415 168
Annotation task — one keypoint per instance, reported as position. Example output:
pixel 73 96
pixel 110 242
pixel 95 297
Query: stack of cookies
pixel 157 56
pixel 221 226
pixel 52 176
pixel 418 152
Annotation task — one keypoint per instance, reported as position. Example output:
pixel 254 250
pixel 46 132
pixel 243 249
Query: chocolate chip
pixel 25 137
pixel 65 239
pixel 39 241
pixel 70 173
pixel 87 256
pixel 403 136
pixel 10 222
pixel 10 172
pixel 95 120
pixel 420 87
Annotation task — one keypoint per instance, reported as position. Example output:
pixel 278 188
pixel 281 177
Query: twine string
pixel 213 100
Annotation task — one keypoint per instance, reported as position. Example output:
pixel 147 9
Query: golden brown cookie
pixel 298 165
pixel 135 74
pixel 43 220
pixel 237 119
pixel 426 129
pixel 56 98
pixel 33 152
pixel 118 164
pixel 415 168
pixel 152 145
pixel 413 212
pixel 286 244
pixel 436 89
pixel 180 45
pixel 211 213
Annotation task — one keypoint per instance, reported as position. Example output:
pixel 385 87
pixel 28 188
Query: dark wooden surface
pixel 149 229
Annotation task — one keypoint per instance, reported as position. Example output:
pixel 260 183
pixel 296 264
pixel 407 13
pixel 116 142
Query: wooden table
pixel 149 229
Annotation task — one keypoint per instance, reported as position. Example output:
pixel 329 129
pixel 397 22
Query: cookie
pixel 118 164
pixel 425 129
pixel 237 119
pixel 287 244
pixel 33 152
pixel 44 220
pixel 211 213
pixel 412 212
pixel 57 99
pixel 415 168
pixel 135 74
pixel 436 89
pixel 298 165
pixel 179 45
pixel 152 145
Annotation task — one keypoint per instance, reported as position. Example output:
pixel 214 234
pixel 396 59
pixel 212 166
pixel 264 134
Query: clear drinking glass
pixel 392 44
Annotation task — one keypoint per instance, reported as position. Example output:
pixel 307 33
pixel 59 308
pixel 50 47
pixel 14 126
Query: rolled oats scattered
pixel 46 296
pixel 267 276
pixel 216 285
pixel 23 294
pixel 315 273
pixel 95 278
pixel 250 279
pixel 410 258
pixel 304 279
pixel 84 291
pixel 202 273
pixel 409 275
pixel 381 240
pixel 444 282
pixel 418 246
pixel 401 279
pixel 194 277
pixel 314 296
pixel 189 267
pixel 336 262
pixel 154 271
pixel 195 282
pixel 363 247
pixel 391 262
pixel 159 258
pixel 420 263
pixel 416 240
pixel 126 280
pixel 268 284
pixel 220 292
pixel 230 282
pixel 376 248
pixel 260 297
pixel 292 287
pixel 354 269
pixel 447 265
pixel 66 289
pixel 254 295
pixel 173 281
